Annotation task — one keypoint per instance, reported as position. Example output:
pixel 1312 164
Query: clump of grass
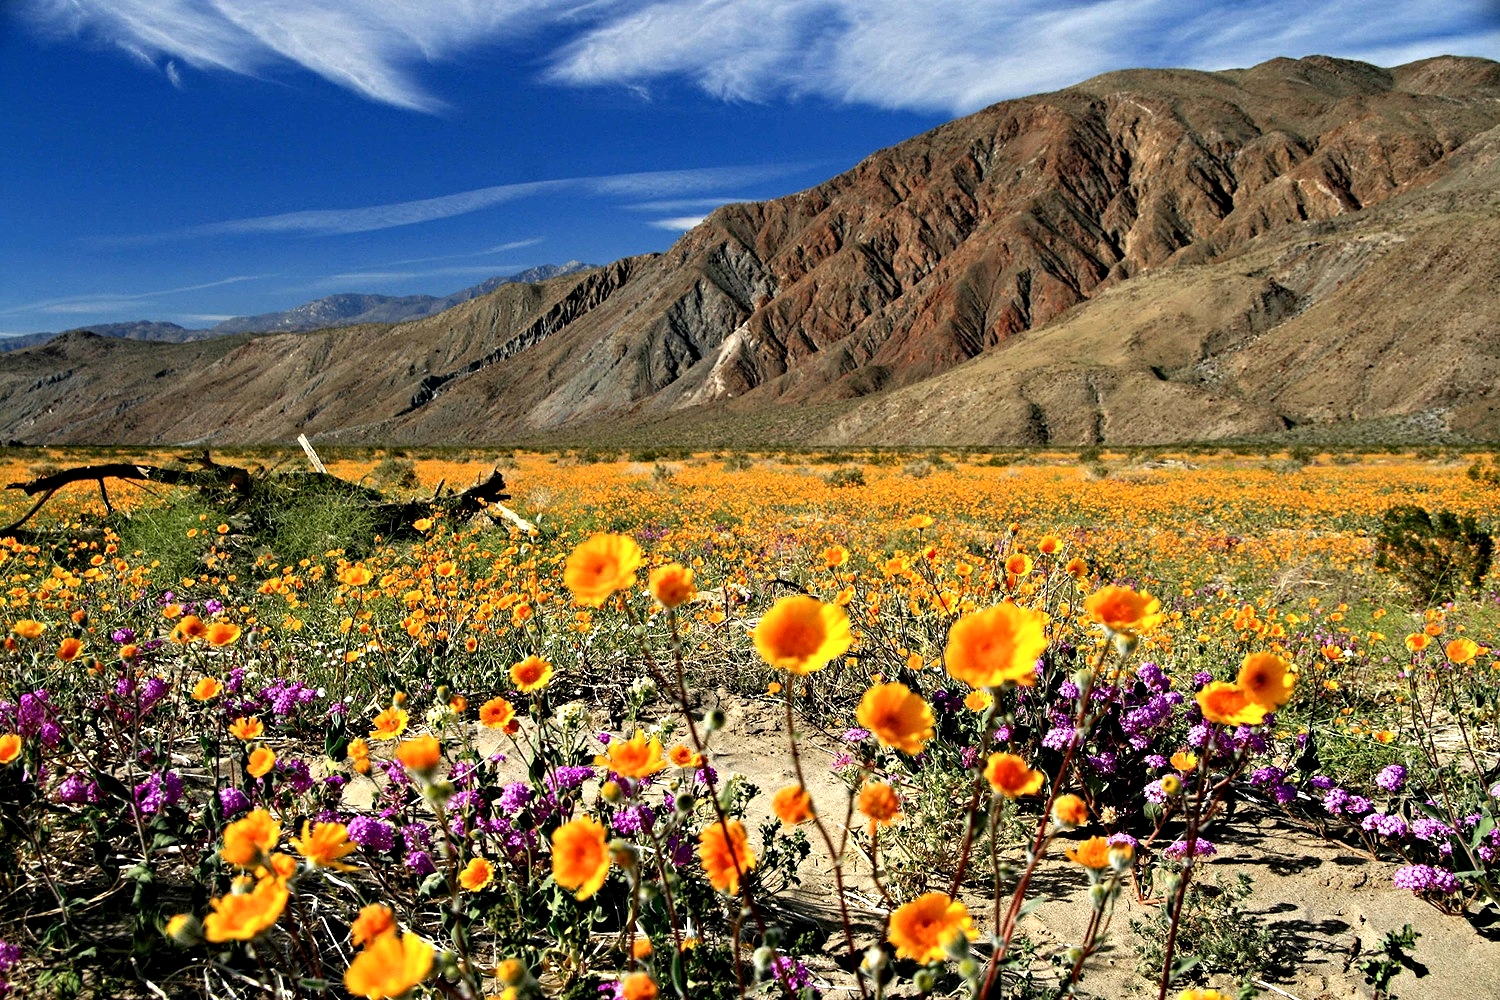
pixel 1215 933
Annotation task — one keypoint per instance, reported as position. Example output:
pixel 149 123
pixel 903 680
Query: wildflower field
pixel 1001 725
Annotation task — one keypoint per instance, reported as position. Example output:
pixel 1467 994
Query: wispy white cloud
pixel 407 275
pixel 336 221
pixel 678 224
pixel 368 46
pixel 488 252
pixel 101 302
pixel 682 204
pixel 958 55
pixel 950 55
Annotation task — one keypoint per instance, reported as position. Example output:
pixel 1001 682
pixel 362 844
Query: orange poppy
pixel 898 717
pixel 800 634
pixel 633 758
pixel 1122 610
pixel 999 644
pixel 792 805
pixel 725 854
pixel 1010 775
pixel 922 929
pixel 580 856
pixel 600 566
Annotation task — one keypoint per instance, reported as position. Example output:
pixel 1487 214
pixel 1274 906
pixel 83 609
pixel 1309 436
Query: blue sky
pixel 190 160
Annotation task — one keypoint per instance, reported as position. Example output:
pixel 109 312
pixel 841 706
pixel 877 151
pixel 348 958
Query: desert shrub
pixel 1214 934
pixel 395 473
pixel 314 523
pixel 920 469
pixel 845 476
pixel 1435 555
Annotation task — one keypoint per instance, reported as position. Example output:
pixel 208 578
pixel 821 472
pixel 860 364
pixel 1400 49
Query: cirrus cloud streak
pixel 948 55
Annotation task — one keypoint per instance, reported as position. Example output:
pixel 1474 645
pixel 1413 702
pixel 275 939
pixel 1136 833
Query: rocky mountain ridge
pixel 1151 255
pixel 329 312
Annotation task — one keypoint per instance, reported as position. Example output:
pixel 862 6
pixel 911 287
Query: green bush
pixel 1435 555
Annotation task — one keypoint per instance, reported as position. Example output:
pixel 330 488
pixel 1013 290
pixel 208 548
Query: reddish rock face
pixel 955 245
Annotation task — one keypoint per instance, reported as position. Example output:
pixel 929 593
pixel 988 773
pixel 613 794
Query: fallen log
pixel 239 490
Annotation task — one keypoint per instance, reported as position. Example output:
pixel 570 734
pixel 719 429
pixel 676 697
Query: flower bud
pixel 1171 784
pixel 611 792
pixel 185 929
pixel 1073 955
pixel 925 980
pixel 874 960
pixel 763 958
pixel 969 969
pixel 715 720
pixel 622 853
pixel 1098 895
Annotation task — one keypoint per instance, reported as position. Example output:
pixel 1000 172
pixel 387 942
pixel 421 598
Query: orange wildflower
pixel 247 729
pixel 672 585
pixel 1230 705
pixel 637 986
pixel 634 758
pixel 262 759
pixel 28 629
pixel 191 627
pixel 248 839
pixel 999 644
pixel 1184 760
pixel 355 576
pixel 725 855
pixel 389 724
pixel 792 805
pixel 1461 651
pixel 389 967
pixel 1092 853
pixel 1009 775
pixel 358 753
pixel 477 874
pixel 1018 565
pixel 898 717
pixel 1266 680
pixel 683 755
pixel 531 674
pixel 373 921
pixel 800 634
pixel 207 689
pixel 600 566
pixel 580 856
pixel 10 747
pixel 497 713
pixel 1070 810
pixel 1122 610
pixel 922 929
pixel 420 753
pixel 879 801
pixel 69 648
pixel 222 634
pixel 323 844
pixel 241 916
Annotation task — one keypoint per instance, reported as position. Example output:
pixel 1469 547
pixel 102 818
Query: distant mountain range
pixel 320 314
pixel 1150 256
